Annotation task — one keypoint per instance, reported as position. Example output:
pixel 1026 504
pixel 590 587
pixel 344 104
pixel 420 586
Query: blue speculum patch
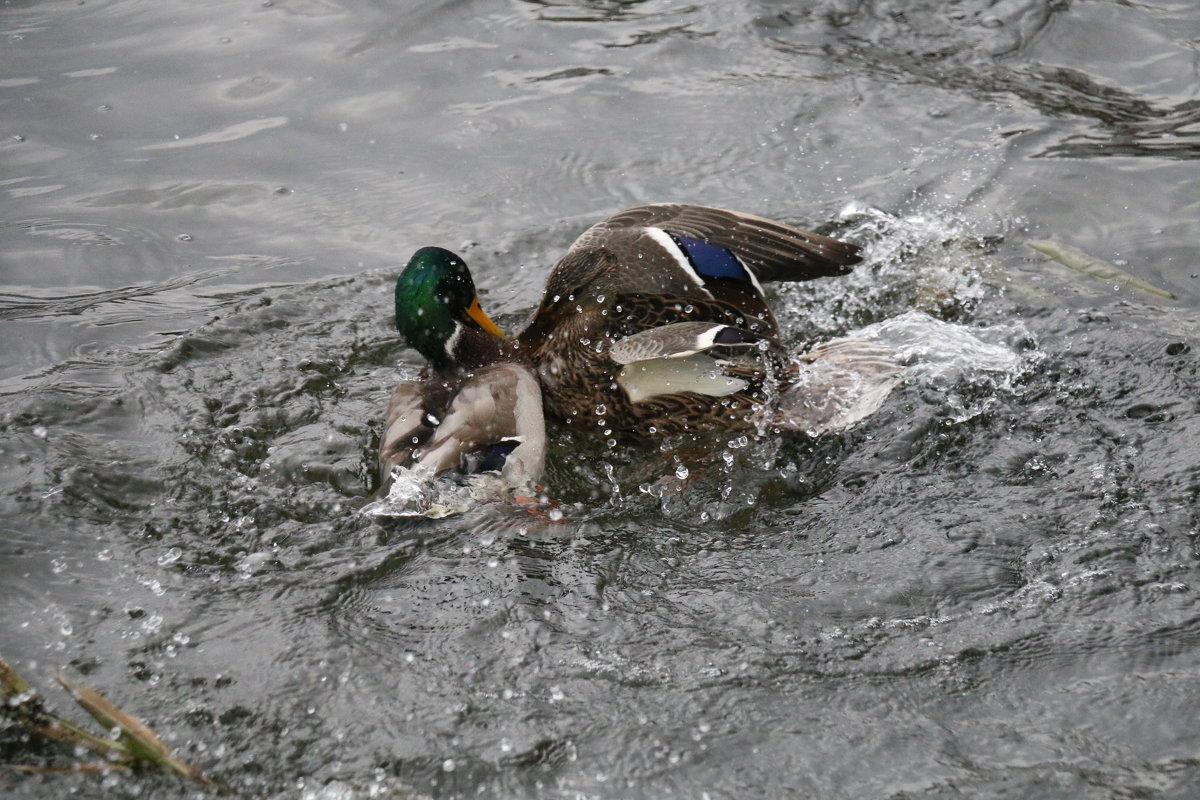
pixel 711 261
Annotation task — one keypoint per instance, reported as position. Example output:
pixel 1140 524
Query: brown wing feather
pixel 776 252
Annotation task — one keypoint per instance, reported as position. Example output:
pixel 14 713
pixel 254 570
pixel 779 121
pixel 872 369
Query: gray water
pixel 988 590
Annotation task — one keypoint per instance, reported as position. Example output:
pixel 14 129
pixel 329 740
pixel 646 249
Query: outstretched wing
pixel 773 251
pixel 686 251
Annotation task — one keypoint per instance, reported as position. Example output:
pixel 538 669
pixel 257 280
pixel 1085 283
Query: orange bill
pixel 476 313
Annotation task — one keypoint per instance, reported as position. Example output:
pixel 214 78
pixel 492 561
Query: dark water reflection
pixel 989 590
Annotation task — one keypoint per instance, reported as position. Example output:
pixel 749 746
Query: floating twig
pixel 1077 260
pixel 135 745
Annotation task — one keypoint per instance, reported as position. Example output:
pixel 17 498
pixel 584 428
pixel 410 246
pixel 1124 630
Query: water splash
pixel 947 355
pixel 931 262
pixel 418 492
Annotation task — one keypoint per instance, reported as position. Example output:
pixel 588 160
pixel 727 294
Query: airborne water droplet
pixel 681 472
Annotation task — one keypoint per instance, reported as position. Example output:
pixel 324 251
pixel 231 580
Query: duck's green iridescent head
pixel 436 304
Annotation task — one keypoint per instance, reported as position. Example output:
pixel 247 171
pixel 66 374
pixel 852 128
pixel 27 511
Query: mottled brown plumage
pixel 629 274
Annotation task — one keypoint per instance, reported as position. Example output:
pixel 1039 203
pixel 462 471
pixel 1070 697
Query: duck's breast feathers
pixel 772 250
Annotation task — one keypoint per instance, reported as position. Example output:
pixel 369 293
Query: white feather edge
pixel 666 242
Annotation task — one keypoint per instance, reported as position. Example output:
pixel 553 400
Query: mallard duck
pixel 654 324
pixel 476 408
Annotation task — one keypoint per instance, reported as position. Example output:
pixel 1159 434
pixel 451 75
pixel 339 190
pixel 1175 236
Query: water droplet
pixel 40 432
pixel 170 557
pixel 681 472
pixel 183 237
pixel 448 765
pixel 58 565
pixel 554 515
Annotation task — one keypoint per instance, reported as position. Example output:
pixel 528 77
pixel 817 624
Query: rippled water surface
pixel 987 590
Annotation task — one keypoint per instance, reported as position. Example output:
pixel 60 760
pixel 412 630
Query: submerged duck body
pixel 654 324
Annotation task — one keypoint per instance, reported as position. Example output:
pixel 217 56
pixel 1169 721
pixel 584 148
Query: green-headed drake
pixel 476 408
pixel 653 324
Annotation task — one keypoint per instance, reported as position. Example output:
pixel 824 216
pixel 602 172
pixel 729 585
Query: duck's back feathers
pixel 412 416
pixel 490 421
pixel 661 302
pixel 494 422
